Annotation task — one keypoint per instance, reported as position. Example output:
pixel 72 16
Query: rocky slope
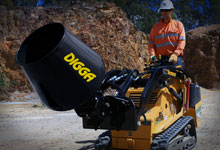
pixel 202 55
pixel 102 26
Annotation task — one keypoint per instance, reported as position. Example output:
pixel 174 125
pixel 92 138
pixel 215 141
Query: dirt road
pixel 24 127
pixel 209 133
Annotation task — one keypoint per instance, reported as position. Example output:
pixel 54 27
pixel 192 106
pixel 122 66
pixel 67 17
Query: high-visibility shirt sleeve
pixel 151 44
pixel 181 41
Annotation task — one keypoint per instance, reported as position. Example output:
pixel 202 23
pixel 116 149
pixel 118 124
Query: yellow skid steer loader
pixel 155 109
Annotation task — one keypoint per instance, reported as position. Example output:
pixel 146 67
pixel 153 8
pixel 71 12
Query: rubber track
pixel 162 140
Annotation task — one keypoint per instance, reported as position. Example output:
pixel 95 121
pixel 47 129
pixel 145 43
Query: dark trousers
pixel 179 60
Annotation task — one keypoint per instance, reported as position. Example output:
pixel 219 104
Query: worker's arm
pixel 151 44
pixel 181 41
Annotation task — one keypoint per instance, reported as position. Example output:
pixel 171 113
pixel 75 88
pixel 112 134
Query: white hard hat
pixel 166 4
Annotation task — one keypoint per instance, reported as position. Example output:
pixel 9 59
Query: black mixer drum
pixel 63 70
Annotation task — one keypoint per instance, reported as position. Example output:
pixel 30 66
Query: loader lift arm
pixel 119 112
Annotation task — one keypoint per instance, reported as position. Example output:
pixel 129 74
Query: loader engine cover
pixel 63 70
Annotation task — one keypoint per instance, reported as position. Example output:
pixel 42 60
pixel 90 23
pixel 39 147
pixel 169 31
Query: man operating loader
pixel 167 37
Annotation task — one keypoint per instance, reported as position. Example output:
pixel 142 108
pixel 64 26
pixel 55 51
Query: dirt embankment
pixel 102 26
pixel 202 56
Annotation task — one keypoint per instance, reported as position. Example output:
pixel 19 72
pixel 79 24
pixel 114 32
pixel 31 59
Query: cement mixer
pixel 154 109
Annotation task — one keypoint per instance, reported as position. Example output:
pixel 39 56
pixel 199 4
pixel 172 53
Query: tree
pixel 7 2
pixel 192 13
pixel 214 12
pixel 145 13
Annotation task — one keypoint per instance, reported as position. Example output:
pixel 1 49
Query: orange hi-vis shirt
pixel 165 39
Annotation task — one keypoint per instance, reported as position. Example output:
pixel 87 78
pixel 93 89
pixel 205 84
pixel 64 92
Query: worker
pixel 167 37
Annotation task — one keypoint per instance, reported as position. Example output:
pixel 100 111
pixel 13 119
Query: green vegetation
pixel 192 13
pixel 32 3
pixel 7 3
pixel 145 13
pixel 3 81
pixel 14 83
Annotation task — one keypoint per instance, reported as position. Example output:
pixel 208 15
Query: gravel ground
pixel 25 126
pixel 209 132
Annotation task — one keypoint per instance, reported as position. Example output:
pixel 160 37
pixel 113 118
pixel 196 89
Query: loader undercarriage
pixel 179 136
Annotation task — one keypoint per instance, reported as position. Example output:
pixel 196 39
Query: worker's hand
pixel 173 58
pixel 150 59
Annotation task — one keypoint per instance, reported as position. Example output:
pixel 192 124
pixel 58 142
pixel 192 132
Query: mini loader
pixel 156 109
